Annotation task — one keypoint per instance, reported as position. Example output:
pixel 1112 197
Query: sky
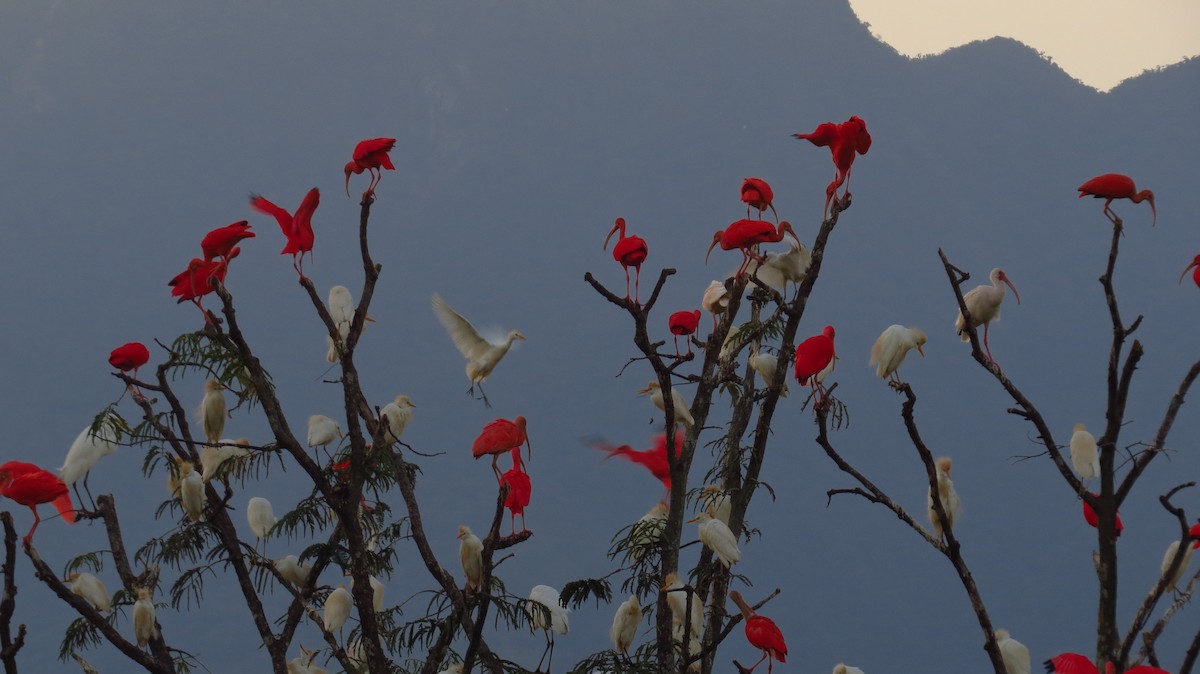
pixel 1099 42
pixel 522 131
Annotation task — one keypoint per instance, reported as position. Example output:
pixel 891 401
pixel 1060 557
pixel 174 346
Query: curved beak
pixel 920 351
pixel 1195 262
pixel 715 241
pixel 348 171
pixel 611 232
pixel 1014 288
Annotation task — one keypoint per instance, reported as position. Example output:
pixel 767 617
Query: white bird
pixel 261 517
pixel 779 268
pixel 470 552
pixel 452 669
pixel 949 498
pixel 357 656
pixel 625 623
pixel 1183 564
pixel 1084 456
pixel 86 452
pixel 765 364
pixel 840 668
pixel 482 356
pixel 212 410
pixel 293 570
pixel 341 311
pixel 397 413
pixel 337 609
pixel 717 537
pixel 715 300
pixel 647 531
pixel 891 348
pixel 983 302
pixel 548 597
pixel 1013 652
pixel 717 501
pixel 144 628
pixel 322 430
pixel 377 590
pixel 91 589
pixel 682 414
pixel 214 457
pixel 303 664
pixel 677 601
pixel 191 491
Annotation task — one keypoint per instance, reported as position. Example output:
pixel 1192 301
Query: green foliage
pixel 80 635
pixel 93 561
pixel 575 593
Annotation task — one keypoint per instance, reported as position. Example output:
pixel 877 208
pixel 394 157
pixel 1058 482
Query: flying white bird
pixel 397 413
pixel 144 628
pixel 191 491
pixel 261 517
pixel 91 589
pixel 86 452
pixel 625 624
pixel 212 410
pixel 214 457
pixel 292 570
pixel 337 609
pixel 1084 456
pixel 983 302
pixel 470 552
pixel 482 356
pixel 1013 652
pixel 715 300
pixel 891 348
pixel 949 498
pixel 682 414
pixel 765 364
pixel 717 537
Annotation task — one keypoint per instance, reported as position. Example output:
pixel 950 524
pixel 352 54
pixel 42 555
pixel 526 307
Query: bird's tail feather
pixel 65 508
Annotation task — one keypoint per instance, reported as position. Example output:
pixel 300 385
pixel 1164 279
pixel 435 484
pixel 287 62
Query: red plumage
pixel 297 228
pixel 498 437
pixel 196 281
pixel 371 155
pixel 757 194
pixel 845 141
pixel 1195 274
pixel 1116 186
pixel 129 356
pixel 520 489
pixel 746 234
pixel 1090 516
pixel 222 240
pixel 630 251
pixel 764 634
pixel 653 459
pixel 814 354
pixel 30 485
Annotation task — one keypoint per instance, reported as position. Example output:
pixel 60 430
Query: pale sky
pixel 1099 42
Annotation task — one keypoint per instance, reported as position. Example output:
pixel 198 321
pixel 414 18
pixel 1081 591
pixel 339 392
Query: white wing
pixel 462 333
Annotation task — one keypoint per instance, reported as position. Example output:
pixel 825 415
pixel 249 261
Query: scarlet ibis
pixel 336 610
pixel 85 453
pixel 682 414
pixel 717 501
pixel 297 228
pixel 1195 274
pixel 372 156
pixel 91 589
pixel 630 251
pixel 30 485
pixel 746 234
pixel 470 553
pixel 520 489
pixel 983 302
pixel 757 194
pixel 1013 652
pixel 1090 516
pixel 717 537
pixel 653 459
pixel 1084 457
pixel 715 300
pixel 500 436
pixel 261 518
pixel 625 624
pixel 946 494
pixel 322 430
pixel 398 413
pixel 145 625
pixel 1116 186
pixel 683 323
pixel 1074 663
pixel 221 241
pixel 292 570
pixel 195 282
pixel 813 355
pixel 129 357
pixel 547 597
pixel 762 634
pixel 212 410
pixel 765 365
pixel 892 346
pixel 482 356
pixel 845 141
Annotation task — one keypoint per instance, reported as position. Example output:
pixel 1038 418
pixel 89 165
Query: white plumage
pixel 341 311
pixel 214 457
pixel 682 414
pixel 677 601
pixel 1183 565
pixel 766 364
pixel 892 346
pixel 715 300
pixel 470 552
pixel 397 413
pixel 717 537
pixel 86 452
pixel 337 609
pixel 212 410
pixel 1084 457
pixel 647 530
pixel 779 268
pixel 292 570
pixel 91 589
pixel 482 356
pixel 452 669
pixel 303 664
pixel 717 502
pixel 144 628
pixel 1013 652
pixel 840 668
pixel 983 302
pixel 261 516
pixel 322 430
pixel 548 597
pixel 625 624
pixel 191 491
pixel 949 497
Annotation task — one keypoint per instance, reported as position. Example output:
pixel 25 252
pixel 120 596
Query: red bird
pixel 1074 663
pixel 683 323
pixel 129 356
pixel 498 437
pixel 1116 186
pixel 1196 274
pixel 29 485
pixel 630 251
pixel 222 240
pixel 372 156
pixel 297 228
pixel 813 355
pixel 653 459
pixel 844 141
pixel 1090 516
pixel 757 194
pixel 195 282
pixel 519 490
pixel 762 633
pixel 746 234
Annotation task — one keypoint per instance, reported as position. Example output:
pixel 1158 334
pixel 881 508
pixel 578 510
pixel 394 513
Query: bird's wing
pixel 877 348
pixel 305 212
pixel 262 205
pixel 462 333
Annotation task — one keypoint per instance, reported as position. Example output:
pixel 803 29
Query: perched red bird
pixel 1089 514
pixel 195 282
pixel 519 489
pixel 30 485
pixel 297 228
pixel 1074 663
pixel 653 459
pixel 1196 274
pixel 758 195
pixel 129 357
pixel 1116 186
pixel 222 240
pixel 500 436
pixel 683 323
pixel 844 141
pixel 746 234
pixel 762 633
pixel 814 354
pixel 371 155
pixel 630 251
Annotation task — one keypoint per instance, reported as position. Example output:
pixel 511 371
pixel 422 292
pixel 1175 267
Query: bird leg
pixel 626 284
pixel 637 279
pixel 764 657
pixel 496 470
pixel 28 540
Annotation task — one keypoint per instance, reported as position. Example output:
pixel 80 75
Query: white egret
pixel 678 596
pixel 322 430
pixel 452 669
pixel 717 501
pixel 840 668
pixel 715 300
pixel 91 589
pixel 261 517
pixel 717 537
pixel 357 655
pixel 397 413
pixel 1084 456
pixel 303 663
pixel 547 597
pixel 214 457
pixel 293 570
pixel 765 364
pixel 482 356
pixel 892 346
pixel 625 624
pixel 983 302
pixel 85 453
pixel 337 609
pixel 470 552
pixel 377 590
pixel 946 493
pixel 144 627
pixel 647 531
pixel 1013 652
pixel 1183 564
pixel 212 410
pixel 682 414
pixel 341 311
pixel 778 268
pixel 191 491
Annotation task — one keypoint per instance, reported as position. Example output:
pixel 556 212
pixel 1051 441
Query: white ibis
pixel 983 303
